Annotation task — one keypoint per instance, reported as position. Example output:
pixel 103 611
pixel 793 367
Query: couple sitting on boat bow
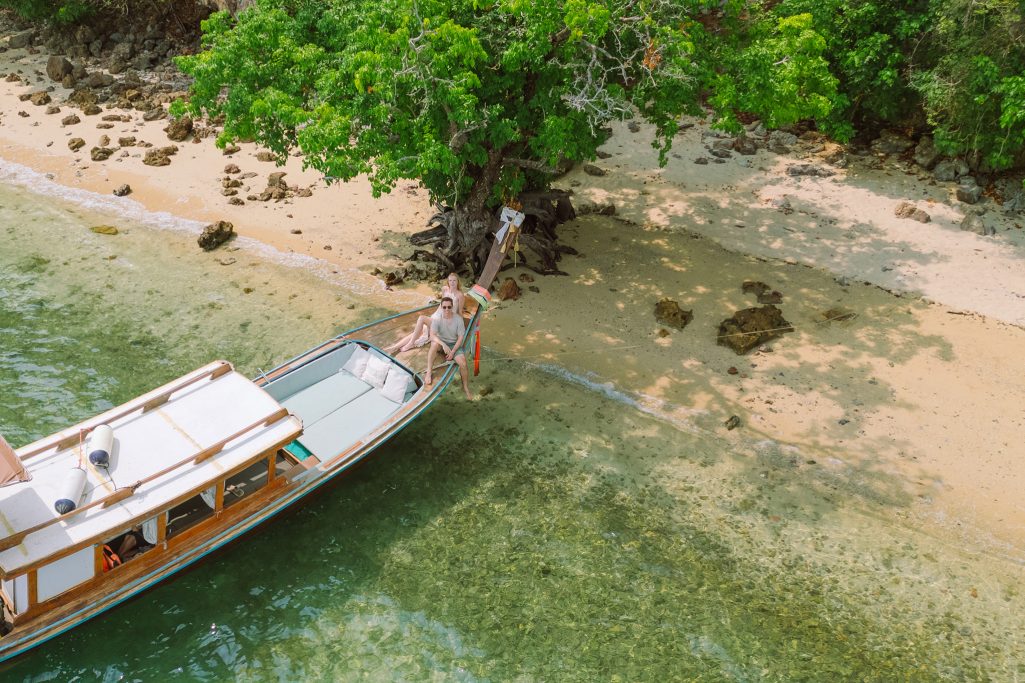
pixel 445 330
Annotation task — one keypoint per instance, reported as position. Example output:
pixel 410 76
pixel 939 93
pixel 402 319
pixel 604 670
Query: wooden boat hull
pixel 194 545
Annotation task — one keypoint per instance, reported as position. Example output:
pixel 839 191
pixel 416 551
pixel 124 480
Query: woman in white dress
pixel 422 331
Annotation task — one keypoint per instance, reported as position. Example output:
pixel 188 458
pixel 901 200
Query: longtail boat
pixel 197 463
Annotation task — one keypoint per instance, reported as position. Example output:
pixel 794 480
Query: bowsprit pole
pixel 509 230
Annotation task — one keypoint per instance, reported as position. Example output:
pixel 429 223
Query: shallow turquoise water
pixel 529 536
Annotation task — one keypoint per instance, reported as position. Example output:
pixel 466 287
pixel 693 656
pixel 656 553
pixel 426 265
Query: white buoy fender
pixel 71 491
pixel 101 444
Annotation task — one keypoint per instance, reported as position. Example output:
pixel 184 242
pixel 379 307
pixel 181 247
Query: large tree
pixel 479 100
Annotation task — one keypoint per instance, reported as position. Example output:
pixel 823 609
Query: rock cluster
pixel 751 327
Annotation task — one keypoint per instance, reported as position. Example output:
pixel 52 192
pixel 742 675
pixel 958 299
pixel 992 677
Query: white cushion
pixel 395 385
pixel 357 363
pixel 376 372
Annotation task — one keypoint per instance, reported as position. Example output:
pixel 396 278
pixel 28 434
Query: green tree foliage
pixel 58 11
pixel 973 92
pixel 477 99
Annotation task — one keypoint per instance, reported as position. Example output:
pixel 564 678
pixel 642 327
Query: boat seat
pixel 346 425
pixel 313 403
pixel 322 368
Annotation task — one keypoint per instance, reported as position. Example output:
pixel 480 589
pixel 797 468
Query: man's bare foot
pixel 469 396
pixel 405 347
pixel 428 380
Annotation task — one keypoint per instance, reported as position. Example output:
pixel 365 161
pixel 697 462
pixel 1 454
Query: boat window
pixel 187 515
pixel 245 483
pixel 125 548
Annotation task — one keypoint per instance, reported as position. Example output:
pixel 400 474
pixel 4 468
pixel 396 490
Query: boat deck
pixel 210 426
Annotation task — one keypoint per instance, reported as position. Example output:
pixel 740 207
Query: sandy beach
pixel 915 400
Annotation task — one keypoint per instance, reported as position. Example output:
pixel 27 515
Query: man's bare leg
pixel 428 379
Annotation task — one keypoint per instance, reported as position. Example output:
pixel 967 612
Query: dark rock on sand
pixel 128 141
pixel 812 170
pixel 232 168
pixel 266 156
pixel 752 326
pixel 216 234
pixel 765 293
pixel 159 156
pixel 75 144
pixel 58 67
pixel 968 192
pixel 974 223
pixel 591 169
pixel 91 109
pixel 154 114
pixel 40 98
pixel 230 149
pixel 123 190
pixel 732 423
pixel 668 312
pixel 909 210
pixel 179 129
pixel 100 153
pixel 53 109
pixel 509 290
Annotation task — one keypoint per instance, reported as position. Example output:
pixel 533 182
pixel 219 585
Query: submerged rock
pixel 752 326
pixel 104 230
pixel 668 312
pixel 216 234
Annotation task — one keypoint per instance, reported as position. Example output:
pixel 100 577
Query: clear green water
pixel 545 533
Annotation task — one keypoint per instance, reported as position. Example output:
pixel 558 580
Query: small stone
pixel 122 190
pixel 232 168
pixel 40 98
pixel 75 144
pixel 236 201
pixel 701 161
pixel 230 149
pixel 534 289
pixel 53 109
pixel 634 127
pixel 100 153
pixel 663 332
pixel 248 290
pixel 668 312
pixel 91 109
pixel 732 370
pixel 296 231
pixel 266 156
pixel 732 423
pixel 104 230
pixel 525 277
pixel 179 129
pixel 591 169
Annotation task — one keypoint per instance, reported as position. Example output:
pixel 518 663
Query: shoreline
pixel 908 396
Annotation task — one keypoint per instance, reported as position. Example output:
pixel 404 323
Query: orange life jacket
pixel 110 559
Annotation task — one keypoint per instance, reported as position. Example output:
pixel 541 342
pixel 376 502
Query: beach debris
pixel 811 170
pixel 968 190
pixel 765 293
pixel 973 223
pixel 100 153
pixel 216 234
pixel 732 423
pixel 179 129
pixel 909 210
pixel 75 144
pixel 509 290
pixel 525 277
pixel 591 169
pixel 668 312
pixel 104 230
pixel 586 206
pixel 160 156
pixel 123 190
pixel 836 315
pixel 58 67
pixel 750 327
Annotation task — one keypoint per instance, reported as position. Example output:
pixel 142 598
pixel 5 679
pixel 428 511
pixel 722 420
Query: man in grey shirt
pixel 447 334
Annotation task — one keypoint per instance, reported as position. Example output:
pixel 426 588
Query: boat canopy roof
pixel 180 438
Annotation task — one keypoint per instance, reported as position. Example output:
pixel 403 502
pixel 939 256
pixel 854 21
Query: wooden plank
pixel 33 588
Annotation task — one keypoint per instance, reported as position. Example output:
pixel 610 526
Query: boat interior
pixel 341 396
